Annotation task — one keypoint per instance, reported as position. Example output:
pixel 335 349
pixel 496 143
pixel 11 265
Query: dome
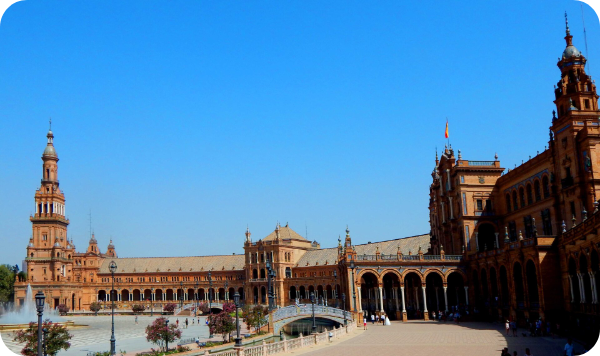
pixel 50 151
pixel 570 52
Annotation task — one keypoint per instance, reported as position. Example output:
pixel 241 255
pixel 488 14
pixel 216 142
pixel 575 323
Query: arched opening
pixel 311 290
pixel 136 295
pixel 221 295
pixel 241 292
pixel 585 276
pixel 486 237
pixel 190 294
pixel 255 273
pixel 180 295
pixel 413 289
pixel 201 294
pixel 521 197
pixel 529 194
pixel 147 294
pixel 102 296
pixel 574 281
pixel 519 289
pixel 255 295
pixel 293 293
pixel 288 272
pixel 263 295
pixel 319 294
pixel 434 288
pixel 508 205
pixel 494 287
pixel 262 273
pixel 505 296
pixel 302 293
pixel 485 292
pixel 369 293
pixel 545 187
pixel 515 203
pixel 158 294
pixel 477 289
pixel 532 285
pixel 125 295
pixel 328 294
pixel 230 293
pixel 169 294
pixel 392 303
pixel 456 290
pixel 536 190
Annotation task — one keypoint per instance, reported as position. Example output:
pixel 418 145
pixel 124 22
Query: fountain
pixel 27 312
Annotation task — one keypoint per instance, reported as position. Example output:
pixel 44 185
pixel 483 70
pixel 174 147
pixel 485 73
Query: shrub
pixel 95 306
pixel 203 307
pixel 138 308
pixel 170 307
pixel 255 316
pixel 63 309
pixel 57 338
pixel 229 307
pixel 221 323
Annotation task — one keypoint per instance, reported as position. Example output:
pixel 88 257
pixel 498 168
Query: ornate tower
pixel 49 253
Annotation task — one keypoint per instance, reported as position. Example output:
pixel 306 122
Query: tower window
pixel 47 173
pixel 586 103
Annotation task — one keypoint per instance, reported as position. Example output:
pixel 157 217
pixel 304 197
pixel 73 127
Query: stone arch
pixel 263 295
pixel 433 271
pixel 255 295
pixel 415 271
pixel 137 295
pixel 302 291
pixel 124 295
pixel 529 190
pixel 147 294
pixel 392 304
pixel 158 294
pixel 519 285
pixel 102 295
pixel 434 287
pixel 255 273
pixel 522 201
pixel 368 270
pixel 532 284
pixel 201 294
pixel 413 289
pixel 456 292
pixel 293 294
pixel 369 291
pixel 537 190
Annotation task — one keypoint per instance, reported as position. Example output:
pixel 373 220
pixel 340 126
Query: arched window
pixel 515 204
pixel 546 187
pixel 529 194
pixel 536 190
pixel 508 203
pixel 522 197
pixel 288 272
pixel 262 273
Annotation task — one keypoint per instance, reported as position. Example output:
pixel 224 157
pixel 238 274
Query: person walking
pixel 569 347
pixel 528 353
pixel 364 323
pixel 373 319
pixel 513 325
pixel 507 325
pixel 505 352
pixel 136 320
pixel 177 321
pixel 186 323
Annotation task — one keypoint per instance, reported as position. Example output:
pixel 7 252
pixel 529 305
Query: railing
pixel 258 280
pixel 454 257
pixel 432 257
pixel 306 309
pixel 481 163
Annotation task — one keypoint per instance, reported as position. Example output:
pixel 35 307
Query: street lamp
pixel 167 335
pixel 112 267
pixel 269 292
pixel 196 299
pixel 238 339
pixel 226 291
pixel 335 289
pixel 312 301
pixel 181 297
pixel 45 331
pixel 39 305
pixel 210 302
pixel 344 304
pixel 352 267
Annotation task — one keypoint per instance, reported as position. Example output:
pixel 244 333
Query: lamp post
pixel 209 302
pixel 45 331
pixel 226 291
pixel 269 292
pixel 344 304
pixel 352 267
pixel 196 299
pixel 39 305
pixel 112 267
pixel 238 339
pixel 312 301
pixel 335 289
pixel 167 335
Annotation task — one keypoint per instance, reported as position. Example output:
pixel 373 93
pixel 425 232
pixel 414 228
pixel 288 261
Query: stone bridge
pixel 214 305
pixel 283 316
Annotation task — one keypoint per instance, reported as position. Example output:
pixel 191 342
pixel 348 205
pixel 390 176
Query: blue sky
pixel 178 123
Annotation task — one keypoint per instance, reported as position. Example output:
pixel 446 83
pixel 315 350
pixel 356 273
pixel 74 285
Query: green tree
pixel 221 323
pixel 57 338
pixel 95 306
pixel 158 332
pixel 255 316
pixel 7 283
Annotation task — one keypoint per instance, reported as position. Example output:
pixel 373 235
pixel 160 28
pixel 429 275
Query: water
pixel 27 312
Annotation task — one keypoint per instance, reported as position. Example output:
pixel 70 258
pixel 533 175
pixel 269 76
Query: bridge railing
pixel 306 309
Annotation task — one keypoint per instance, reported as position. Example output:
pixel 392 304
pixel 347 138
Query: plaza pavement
pixel 431 338
pixel 130 337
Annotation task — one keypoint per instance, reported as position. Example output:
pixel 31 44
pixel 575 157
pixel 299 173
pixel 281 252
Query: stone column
pixel 425 312
pixel 446 297
pixel 451 208
pixel 467 296
pixel 130 297
pixel 381 297
pixel 359 301
pixel 581 289
pixel 571 285
pixel 594 290
pixel 497 243
pixel 404 318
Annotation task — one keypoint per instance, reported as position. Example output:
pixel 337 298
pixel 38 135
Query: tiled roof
pixel 329 255
pixel 391 247
pixel 284 233
pixel 175 264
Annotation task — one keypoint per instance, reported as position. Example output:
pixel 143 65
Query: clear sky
pixel 179 123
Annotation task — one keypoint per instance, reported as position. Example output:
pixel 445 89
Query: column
pixel 130 297
pixel 497 244
pixel 381 297
pixel 424 299
pixel 594 290
pixel 443 214
pixel 175 296
pixel 359 301
pixel 571 285
pixel 153 296
pixel 451 208
pixel 446 297
pixel 467 296
pixel 403 301
pixel 581 289
pixel 396 298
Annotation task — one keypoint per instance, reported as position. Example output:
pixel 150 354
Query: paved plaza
pixel 130 337
pixel 421 338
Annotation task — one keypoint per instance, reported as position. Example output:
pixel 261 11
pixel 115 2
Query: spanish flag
pixel 446 133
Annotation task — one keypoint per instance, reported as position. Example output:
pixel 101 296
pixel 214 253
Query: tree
pixel 170 307
pixel 203 307
pixel 221 323
pixel 57 338
pixel 138 308
pixel 63 309
pixel 158 332
pixel 95 306
pixel 7 282
pixel 255 316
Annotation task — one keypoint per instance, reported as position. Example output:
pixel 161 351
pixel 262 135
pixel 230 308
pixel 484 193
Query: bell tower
pixel 49 253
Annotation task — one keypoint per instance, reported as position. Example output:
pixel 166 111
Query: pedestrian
pixel 136 320
pixel 186 323
pixel 177 321
pixel 373 319
pixel 507 326
pixel 364 323
pixel 193 321
pixel 433 315
pixel 505 352
pixel 528 353
pixel 387 320
pixel 377 318
pixel 198 320
pixel 569 347
pixel 513 325
pixel 548 328
pixel 197 341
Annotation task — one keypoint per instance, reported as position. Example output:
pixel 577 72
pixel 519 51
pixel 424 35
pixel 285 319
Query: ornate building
pixel 520 243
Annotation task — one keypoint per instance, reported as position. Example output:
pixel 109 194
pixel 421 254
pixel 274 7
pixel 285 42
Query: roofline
pixel 124 258
pixel 400 238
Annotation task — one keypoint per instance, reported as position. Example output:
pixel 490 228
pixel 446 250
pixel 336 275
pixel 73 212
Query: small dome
pixel 110 245
pixel 570 52
pixel 50 151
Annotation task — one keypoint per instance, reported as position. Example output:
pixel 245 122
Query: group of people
pixel 538 328
pixel 568 350
pixel 376 318
pixel 452 316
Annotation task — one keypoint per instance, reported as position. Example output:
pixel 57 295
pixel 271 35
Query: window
pixel 545 187
pixel 586 103
pixel 508 203
pixel 462 179
pixel 546 222
pixel 522 197
pixel 529 194
pixel 512 231
pixel 464 198
pixel 514 197
pixel 45 237
pixel 536 190
pixel 479 204
pixel 488 205
pixel 573 213
pixel 528 226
